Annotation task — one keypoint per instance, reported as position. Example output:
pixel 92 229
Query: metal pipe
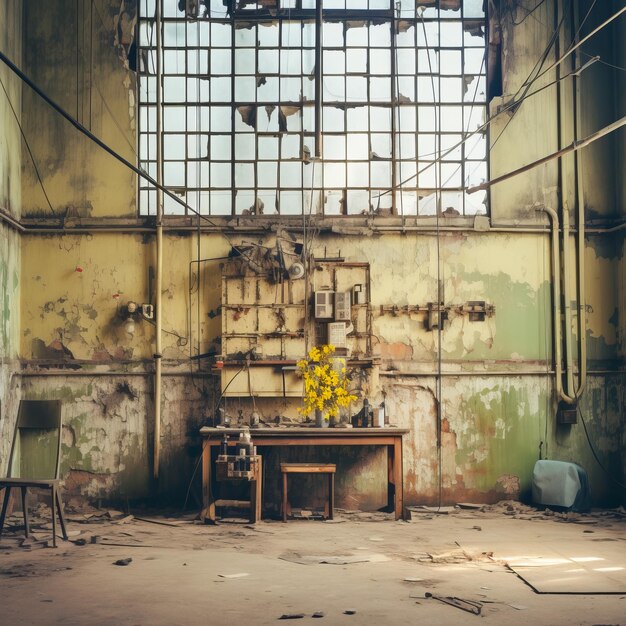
pixel 390 374
pixel 556 300
pixel 76 124
pixel 580 200
pixel 319 77
pixel 158 300
pixel 573 147
pixel 567 304
pixel 7 218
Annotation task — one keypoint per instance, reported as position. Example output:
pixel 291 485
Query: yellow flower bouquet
pixel 325 382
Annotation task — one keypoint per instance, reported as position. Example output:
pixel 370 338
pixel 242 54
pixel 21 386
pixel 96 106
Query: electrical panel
pixel 337 334
pixel 324 304
pixel 343 306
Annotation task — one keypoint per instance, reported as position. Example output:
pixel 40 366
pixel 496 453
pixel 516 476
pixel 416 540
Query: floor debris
pixel 239 575
pixel 294 557
pixel 123 562
pixel 470 606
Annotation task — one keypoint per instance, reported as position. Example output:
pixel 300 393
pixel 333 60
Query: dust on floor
pixel 450 566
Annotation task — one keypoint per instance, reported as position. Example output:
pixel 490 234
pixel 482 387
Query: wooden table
pixel 391 438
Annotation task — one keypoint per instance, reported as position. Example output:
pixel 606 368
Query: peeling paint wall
pixel 498 404
pixel 10 203
pixel 76 54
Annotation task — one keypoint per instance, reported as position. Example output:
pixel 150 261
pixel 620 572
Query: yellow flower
pixel 325 387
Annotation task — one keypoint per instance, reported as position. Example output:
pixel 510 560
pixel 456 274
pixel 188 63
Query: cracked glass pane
pixel 265 116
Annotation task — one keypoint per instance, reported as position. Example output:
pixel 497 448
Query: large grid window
pixel 382 113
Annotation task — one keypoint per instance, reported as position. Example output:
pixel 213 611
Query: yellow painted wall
pixel 498 400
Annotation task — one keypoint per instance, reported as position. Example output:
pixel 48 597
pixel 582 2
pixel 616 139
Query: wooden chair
pixel 309 468
pixel 34 459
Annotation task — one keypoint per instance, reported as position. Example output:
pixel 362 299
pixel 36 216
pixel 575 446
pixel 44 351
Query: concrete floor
pixel 235 573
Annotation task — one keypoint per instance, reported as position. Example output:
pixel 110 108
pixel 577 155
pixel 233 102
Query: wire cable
pixel 574 47
pixel 438 382
pixel 195 469
pixel 32 158
pixel 593 451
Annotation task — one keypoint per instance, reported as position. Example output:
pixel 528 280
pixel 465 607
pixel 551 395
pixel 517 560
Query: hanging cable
pixel 574 47
pixel 438 385
pixel 593 450
pixel 32 158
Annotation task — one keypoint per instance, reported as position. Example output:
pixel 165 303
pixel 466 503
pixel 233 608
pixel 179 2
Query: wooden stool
pixel 309 468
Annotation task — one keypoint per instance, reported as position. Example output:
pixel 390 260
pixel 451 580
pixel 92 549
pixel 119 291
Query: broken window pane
pixel 243 144
pixel 380 36
pixel 268 35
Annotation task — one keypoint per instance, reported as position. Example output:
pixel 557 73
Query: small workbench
pixel 390 438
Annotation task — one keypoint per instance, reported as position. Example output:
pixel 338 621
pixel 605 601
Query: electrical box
pixel 337 334
pixel 324 304
pixel 343 306
pixel 359 294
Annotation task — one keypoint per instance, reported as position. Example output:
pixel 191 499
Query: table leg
pixel 256 495
pixel 331 494
pixel 25 510
pixel 208 510
pixel 398 479
pixel 53 497
pixel 284 496
pixel 5 504
pixel 395 499
pixel 59 506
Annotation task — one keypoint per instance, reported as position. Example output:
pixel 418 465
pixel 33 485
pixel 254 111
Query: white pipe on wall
pixel 158 300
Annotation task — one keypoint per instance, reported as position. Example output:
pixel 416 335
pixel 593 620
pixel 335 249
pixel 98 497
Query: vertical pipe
pixel 563 273
pixel 159 247
pixel 319 77
pixel 556 300
pixel 580 201
pixel 567 301
pixel 395 110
